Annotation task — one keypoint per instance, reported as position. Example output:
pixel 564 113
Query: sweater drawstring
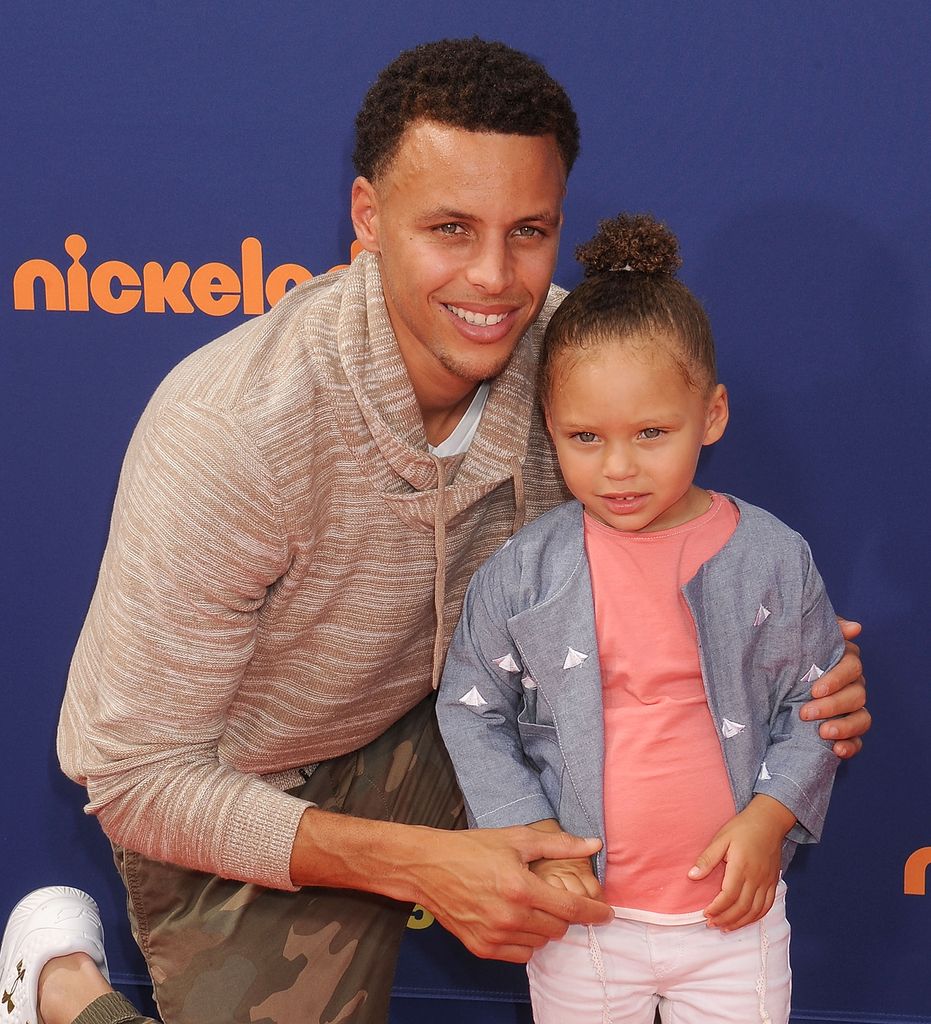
pixel 439 579
pixel 520 500
pixel 439 545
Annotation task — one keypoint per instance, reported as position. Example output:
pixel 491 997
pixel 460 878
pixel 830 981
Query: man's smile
pixel 478 319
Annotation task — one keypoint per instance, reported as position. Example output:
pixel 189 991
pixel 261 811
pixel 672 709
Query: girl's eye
pixel 585 436
pixel 651 433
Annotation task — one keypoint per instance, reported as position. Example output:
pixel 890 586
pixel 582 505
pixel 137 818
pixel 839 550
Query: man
pixel 301 508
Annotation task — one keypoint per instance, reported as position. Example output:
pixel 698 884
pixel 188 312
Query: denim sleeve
pixel 799 766
pixel 481 695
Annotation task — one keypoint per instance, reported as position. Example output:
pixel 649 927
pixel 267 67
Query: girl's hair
pixel 630 291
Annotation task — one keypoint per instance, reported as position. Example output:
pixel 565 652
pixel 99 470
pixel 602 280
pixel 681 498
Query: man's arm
pixel 195 541
pixel 477 884
pixel 842 692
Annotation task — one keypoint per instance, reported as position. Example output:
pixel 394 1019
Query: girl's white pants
pixel 620 972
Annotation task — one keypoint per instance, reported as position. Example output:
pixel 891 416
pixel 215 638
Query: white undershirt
pixel 460 439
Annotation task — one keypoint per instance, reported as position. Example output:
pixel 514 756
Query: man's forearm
pixel 344 852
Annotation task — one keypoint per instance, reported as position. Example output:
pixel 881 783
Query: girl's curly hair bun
pixel 630 242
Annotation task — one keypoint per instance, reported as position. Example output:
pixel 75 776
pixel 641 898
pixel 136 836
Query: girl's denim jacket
pixel 520 700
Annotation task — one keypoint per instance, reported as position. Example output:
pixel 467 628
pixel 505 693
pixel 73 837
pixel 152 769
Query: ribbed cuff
pixel 113 1008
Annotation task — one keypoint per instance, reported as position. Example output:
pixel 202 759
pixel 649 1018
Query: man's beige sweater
pixel 286 564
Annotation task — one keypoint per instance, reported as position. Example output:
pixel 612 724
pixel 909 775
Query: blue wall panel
pixel 786 144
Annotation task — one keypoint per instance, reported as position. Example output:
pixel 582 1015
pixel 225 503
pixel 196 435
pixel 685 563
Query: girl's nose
pixel 618 463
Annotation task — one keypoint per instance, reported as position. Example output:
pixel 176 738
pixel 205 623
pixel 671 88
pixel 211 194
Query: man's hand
pixel 477 884
pixel 485 892
pixel 842 691
pixel 751 845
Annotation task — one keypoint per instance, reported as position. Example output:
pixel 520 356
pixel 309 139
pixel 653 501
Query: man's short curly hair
pixel 473 84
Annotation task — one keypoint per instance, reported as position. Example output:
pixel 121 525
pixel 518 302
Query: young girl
pixel 631 665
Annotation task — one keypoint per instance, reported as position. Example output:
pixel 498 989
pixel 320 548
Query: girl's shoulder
pixel 540 556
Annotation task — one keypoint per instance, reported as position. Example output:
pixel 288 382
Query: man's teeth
pixel 479 319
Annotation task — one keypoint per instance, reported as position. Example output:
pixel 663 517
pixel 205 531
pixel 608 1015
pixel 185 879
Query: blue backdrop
pixel 787 144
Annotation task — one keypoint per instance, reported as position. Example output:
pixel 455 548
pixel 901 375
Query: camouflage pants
pixel 225 952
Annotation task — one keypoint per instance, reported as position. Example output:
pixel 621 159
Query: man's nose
pixel 491 268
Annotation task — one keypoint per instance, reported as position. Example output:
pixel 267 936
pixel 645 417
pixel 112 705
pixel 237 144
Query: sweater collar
pixel 384 398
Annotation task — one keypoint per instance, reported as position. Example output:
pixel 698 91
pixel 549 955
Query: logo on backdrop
pixel 113 286
pixel 420 918
pixel 916 872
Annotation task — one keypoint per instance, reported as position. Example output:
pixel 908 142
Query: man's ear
pixel 717 415
pixel 363 209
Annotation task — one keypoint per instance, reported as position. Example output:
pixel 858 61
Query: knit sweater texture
pixel 285 567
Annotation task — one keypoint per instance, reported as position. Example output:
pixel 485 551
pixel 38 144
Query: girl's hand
pixel 573 875
pixel 751 845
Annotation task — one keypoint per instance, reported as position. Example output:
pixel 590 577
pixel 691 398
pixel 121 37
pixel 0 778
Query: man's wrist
pixel 339 851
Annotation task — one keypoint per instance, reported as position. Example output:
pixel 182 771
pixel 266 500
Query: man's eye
pixel 651 433
pixel 528 231
pixel 448 229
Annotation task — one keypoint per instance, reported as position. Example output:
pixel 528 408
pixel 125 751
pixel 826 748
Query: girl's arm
pixel 792 790
pixel 751 845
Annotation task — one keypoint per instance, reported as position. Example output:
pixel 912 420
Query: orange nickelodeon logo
pixel 116 287
pixel 916 870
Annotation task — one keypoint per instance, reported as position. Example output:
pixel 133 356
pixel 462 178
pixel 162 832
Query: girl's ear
pixel 717 415
pixel 363 208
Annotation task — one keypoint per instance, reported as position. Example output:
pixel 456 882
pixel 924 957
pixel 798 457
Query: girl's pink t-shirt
pixel 666 790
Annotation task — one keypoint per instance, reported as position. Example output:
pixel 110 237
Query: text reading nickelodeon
pixel 116 287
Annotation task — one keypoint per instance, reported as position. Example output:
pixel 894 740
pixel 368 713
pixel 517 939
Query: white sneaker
pixel 49 922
